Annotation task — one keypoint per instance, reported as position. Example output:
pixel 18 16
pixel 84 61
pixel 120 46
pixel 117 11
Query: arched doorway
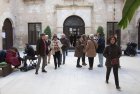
pixel 72 27
pixel 139 37
pixel 7 31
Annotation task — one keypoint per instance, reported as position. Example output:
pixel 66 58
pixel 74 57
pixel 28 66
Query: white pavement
pixel 71 80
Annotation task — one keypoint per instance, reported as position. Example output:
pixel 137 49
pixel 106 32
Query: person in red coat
pixel 13 57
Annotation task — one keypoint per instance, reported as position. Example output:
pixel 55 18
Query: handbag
pixel 115 61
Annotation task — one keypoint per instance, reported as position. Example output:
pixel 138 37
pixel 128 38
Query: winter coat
pixel 79 49
pixel 91 48
pixel 101 45
pixel 56 46
pixel 12 58
pixel 29 51
pixel 65 43
pixel 111 52
pixel 41 47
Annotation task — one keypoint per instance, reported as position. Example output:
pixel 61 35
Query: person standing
pixel 56 51
pixel 79 50
pixel 112 54
pixel 65 45
pixel 48 50
pixel 91 50
pixel 41 52
pixel 100 49
pixel 85 43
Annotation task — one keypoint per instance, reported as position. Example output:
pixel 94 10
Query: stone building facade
pixel 27 18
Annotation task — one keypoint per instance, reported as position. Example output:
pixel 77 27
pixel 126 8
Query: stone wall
pixel 54 12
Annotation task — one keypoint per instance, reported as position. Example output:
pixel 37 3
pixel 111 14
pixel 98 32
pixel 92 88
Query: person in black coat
pixel 100 49
pixel 30 54
pixel 65 46
pixel 112 54
pixel 41 52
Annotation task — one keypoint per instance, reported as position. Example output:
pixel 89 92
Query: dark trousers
pixel 91 60
pixel 64 56
pixel 57 59
pixel 78 61
pixel 66 51
pixel 43 63
pixel 115 71
pixel 83 58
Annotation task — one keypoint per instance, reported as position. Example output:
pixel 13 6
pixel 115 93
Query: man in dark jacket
pixel 65 46
pixel 30 54
pixel 100 49
pixel 41 52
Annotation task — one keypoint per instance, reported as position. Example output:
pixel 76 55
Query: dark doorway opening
pixel 114 30
pixel 7 33
pixel 139 37
pixel 73 26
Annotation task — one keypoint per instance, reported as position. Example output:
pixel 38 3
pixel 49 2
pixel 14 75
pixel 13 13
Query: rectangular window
pixel 34 30
pixel 113 29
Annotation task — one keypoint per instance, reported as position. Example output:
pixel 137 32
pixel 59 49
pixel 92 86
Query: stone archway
pixel 72 27
pixel 7 31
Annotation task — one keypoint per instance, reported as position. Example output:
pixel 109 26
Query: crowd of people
pixel 86 46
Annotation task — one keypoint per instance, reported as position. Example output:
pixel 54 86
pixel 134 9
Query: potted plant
pixel 100 30
pixel 47 31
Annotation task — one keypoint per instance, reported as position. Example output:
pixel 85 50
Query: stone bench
pixel 5 69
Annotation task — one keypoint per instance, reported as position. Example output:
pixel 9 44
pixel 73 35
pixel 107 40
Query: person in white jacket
pixel 56 51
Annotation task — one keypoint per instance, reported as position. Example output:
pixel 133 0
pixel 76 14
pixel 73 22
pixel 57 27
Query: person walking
pixel 100 49
pixel 112 54
pixel 91 50
pixel 65 45
pixel 56 51
pixel 41 52
pixel 48 50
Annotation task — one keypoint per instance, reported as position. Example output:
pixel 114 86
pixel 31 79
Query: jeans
pixel 100 56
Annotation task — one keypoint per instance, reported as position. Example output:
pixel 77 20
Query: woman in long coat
pixel 112 53
pixel 91 50
pixel 79 50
